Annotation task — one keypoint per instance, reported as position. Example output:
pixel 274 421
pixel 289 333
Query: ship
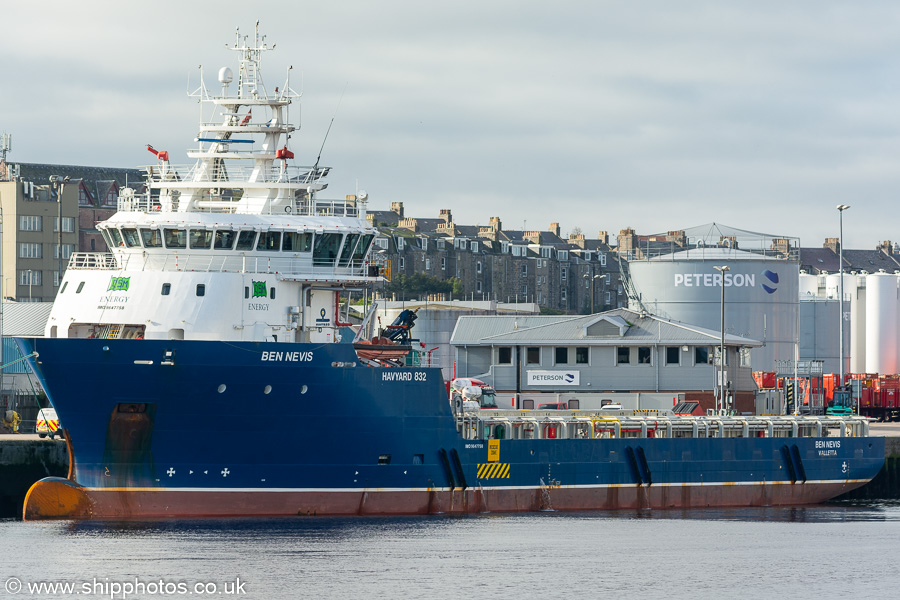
pixel 204 367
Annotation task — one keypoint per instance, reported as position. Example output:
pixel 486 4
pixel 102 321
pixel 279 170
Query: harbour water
pixel 836 550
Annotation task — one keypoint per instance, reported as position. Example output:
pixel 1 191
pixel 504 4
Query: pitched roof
pixel 642 328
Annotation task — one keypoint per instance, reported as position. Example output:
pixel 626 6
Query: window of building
pixel 561 355
pixel 30 223
pixel 423 243
pixel 745 357
pixel 382 243
pixel 474 246
pixel 427 264
pixel 581 355
pixel 478 267
pixel 478 286
pixel 603 259
pixel 623 355
pixel 524 269
pixel 643 355
pixel 68 249
pixel 504 355
pixel 562 273
pixel 701 355
pixel 402 263
pixel 562 255
pixel 83 197
pixel 68 224
pixel 30 250
pixel 30 277
pixel 55 278
pixel 523 290
pixel 562 294
pixel 443 263
pixel 673 355
pixel 401 243
pixel 533 355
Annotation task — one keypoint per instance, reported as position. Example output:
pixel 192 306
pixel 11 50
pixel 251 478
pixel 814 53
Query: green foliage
pixel 409 287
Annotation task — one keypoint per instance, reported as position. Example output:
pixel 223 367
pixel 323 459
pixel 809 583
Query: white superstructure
pixel 236 246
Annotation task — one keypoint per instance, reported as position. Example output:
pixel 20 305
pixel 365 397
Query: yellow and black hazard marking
pixel 493 470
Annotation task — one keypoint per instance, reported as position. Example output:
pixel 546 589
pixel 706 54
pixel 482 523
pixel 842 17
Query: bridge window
pixel 245 240
pixel 201 289
pixel 348 249
pixel 296 242
pixel 131 238
pixel 201 239
pixel 175 238
pixel 224 239
pixel 325 248
pixel 269 241
pixel 166 288
pixel 152 238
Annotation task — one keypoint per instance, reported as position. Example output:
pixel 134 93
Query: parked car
pixel 47 424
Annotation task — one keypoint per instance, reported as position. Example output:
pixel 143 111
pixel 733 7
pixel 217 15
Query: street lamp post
pixel 591 279
pixel 720 403
pixel 59 186
pixel 841 208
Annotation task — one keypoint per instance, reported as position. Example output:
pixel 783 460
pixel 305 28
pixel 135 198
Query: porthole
pixel 222 388
pixel 303 389
pixel 267 389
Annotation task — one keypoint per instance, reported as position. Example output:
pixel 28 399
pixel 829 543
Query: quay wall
pixel 24 461
pixel 886 485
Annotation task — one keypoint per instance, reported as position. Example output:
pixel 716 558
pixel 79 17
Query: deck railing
pixel 218 263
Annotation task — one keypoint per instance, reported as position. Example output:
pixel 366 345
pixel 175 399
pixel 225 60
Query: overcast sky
pixel 654 115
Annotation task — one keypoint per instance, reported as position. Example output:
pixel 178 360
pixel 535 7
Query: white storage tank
pixel 858 323
pixel 881 323
pixel 761 295
pixel 832 282
pixel 809 285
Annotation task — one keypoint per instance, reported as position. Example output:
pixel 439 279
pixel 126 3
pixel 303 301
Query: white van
pixel 47 424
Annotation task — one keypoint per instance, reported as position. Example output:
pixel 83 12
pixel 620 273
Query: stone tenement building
pixel 491 262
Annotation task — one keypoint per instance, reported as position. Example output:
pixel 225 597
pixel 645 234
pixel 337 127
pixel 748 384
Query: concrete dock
pixel 25 458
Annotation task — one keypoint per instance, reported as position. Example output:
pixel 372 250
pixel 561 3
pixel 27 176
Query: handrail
pixel 214 262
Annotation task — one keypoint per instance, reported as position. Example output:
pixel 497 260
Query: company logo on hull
pixel 770 281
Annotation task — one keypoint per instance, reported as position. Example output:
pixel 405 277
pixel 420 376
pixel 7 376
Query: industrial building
pixel 637 359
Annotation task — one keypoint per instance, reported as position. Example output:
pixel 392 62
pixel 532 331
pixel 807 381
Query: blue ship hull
pixel 201 428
